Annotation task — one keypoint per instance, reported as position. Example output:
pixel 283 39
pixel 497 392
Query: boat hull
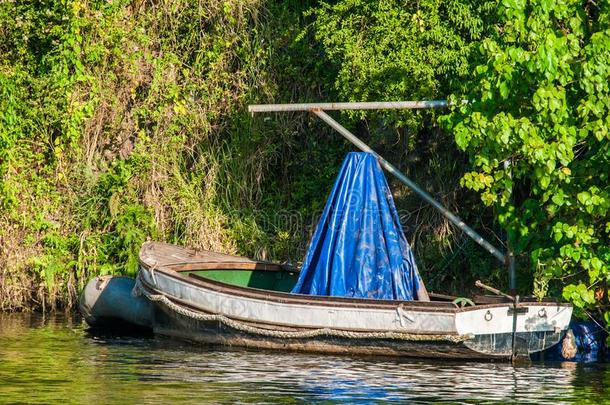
pixel 195 308
pixel 167 322
pixel 171 324
pixel 176 316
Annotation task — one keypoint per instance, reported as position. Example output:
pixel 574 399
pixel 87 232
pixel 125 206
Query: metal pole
pixel 510 257
pixel 512 272
pixel 388 105
pixel 404 179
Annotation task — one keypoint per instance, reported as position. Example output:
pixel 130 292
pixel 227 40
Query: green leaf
pixel 558 198
pixel 546 5
pixel 504 90
pixel 583 197
pixel 588 296
pixel 596 264
pixel 462 138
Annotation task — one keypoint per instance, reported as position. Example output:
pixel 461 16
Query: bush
pixel 536 129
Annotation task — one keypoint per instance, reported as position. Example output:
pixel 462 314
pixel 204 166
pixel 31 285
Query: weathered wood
pixel 443 297
pixel 157 254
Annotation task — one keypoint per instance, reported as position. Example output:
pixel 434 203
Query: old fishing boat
pixel 358 290
pixel 227 300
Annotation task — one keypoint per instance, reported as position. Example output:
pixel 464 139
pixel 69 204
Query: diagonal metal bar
pixel 404 179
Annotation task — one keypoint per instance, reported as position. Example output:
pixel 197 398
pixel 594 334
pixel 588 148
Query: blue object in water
pixel 589 338
pixel 359 249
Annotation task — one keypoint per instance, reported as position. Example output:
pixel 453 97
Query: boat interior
pixel 246 273
pixel 281 280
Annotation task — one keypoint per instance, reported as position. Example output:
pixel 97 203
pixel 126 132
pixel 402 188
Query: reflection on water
pixel 58 360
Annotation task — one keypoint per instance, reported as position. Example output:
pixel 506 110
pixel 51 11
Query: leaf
pixel 462 138
pixel 596 264
pixel 583 197
pixel 588 296
pixel 504 90
pixel 576 255
pixel 571 293
pixel 595 269
pixel 546 5
pixel 558 198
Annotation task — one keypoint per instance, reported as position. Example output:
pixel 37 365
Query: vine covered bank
pixel 122 121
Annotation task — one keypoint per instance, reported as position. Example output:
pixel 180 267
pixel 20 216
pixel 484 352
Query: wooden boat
pixel 228 300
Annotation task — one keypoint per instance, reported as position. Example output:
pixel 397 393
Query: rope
pixel 327 332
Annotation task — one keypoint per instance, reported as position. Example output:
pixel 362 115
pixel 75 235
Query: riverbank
pixel 122 122
pixel 125 121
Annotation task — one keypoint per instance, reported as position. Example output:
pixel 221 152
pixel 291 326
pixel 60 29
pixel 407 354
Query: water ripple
pixel 58 360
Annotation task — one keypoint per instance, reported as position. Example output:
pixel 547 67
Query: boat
pixel 357 292
pixel 219 299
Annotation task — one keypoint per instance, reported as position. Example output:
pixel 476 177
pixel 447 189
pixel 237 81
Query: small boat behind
pixel 227 300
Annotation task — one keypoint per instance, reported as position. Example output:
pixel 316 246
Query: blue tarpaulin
pixel 359 249
pixel 590 340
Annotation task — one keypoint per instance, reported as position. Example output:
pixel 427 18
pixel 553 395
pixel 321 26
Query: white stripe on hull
pixel 300 315
pixel 539 318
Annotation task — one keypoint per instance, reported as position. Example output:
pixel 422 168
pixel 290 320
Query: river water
pixel 58 360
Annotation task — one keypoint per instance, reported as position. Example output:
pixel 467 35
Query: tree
pixel 536 127
pixel 394 50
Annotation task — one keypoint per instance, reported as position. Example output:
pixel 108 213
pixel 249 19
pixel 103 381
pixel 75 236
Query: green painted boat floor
pixel 282 281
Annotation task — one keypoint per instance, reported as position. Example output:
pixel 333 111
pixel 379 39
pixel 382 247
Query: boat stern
pixel 536 327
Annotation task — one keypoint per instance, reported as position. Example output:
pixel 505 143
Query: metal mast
pixel 318 110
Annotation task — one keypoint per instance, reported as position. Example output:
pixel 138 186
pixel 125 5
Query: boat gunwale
pixel 302 299
pixel 269 325
pixel 291 298
pixel 220 261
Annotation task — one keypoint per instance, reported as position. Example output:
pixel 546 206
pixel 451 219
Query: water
pixel 58 360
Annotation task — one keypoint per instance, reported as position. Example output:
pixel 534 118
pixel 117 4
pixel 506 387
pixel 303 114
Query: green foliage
pixel 396 50
pixel 415 50
pixel 125 121
pixel 536 128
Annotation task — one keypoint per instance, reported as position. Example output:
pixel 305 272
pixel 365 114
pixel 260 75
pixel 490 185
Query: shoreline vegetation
pixel 126 121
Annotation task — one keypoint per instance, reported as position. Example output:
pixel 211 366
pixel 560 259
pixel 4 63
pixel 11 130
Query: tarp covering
pixel 359 249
